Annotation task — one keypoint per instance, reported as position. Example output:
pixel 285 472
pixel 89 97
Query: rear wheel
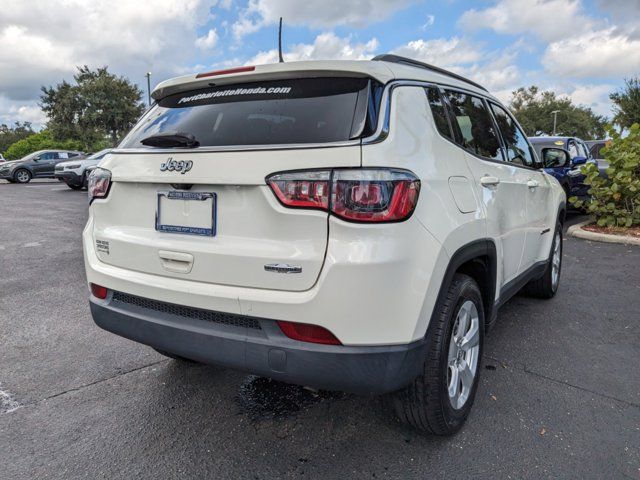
pixel 22 176
pixel 440 399
pixel 547 285
pixel 74 187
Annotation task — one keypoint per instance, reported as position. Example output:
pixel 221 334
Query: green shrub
pixel 615 201
pixel 39 141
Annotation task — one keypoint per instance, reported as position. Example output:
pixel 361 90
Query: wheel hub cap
pixel 464 350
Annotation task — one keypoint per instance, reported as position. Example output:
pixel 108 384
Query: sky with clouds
pixel 580 48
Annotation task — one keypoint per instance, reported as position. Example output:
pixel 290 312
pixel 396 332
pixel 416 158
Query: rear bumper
pixel 262 349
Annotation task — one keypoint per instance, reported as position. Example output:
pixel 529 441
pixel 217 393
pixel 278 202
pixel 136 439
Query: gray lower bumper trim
pixel 268 352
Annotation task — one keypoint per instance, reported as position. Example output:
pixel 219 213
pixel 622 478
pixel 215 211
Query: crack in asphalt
pixel 525 369
pixel 96 382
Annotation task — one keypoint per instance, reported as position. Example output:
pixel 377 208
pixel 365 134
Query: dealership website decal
pixel 236 91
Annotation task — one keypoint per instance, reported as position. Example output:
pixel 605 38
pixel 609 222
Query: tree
pixel 100 108
pixel 40 141
pixel 626 104
pixel 533 110
pixel 9 135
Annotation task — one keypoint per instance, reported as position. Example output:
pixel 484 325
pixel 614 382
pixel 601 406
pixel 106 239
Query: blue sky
pixel 579 48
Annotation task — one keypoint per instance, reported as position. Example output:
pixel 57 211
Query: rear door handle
pixel 532 184
pixel 488 181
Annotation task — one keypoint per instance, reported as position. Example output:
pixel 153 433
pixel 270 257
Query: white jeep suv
pixel 347 225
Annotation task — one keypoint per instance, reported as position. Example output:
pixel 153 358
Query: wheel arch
pixel 478 259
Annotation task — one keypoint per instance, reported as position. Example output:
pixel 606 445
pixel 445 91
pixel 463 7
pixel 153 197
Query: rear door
pixel 206 214
pixel 502 186
pixel 519 153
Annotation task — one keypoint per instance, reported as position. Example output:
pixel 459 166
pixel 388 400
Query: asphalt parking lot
pixel 559 394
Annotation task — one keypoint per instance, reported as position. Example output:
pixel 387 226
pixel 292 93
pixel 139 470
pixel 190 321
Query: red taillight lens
pixel 98 291
pixel 99 183
pixel 374 195
pixel 308 333
pixel 302 189
pixel 359 194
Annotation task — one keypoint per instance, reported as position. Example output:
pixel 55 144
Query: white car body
pixel 73 172
pixel 373 286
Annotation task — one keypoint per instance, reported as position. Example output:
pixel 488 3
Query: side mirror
pixel 37 159
pixel 555 158
pixel 578 161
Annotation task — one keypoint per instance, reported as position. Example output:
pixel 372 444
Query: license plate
pixel 191 213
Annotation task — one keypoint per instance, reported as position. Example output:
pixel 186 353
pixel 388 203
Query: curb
pixel 577 231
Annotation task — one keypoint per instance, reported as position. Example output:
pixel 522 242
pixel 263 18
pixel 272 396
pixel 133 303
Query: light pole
pixel 148 75
pixel 555 120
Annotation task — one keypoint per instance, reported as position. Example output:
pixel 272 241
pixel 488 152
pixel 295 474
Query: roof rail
pixel 387 57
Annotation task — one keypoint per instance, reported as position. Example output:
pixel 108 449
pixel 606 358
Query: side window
pixel 474 125
pixel 439 112
pixel 518 151
pixel 48 156
pixel 584 150
pixel 63 155
pixel 573 149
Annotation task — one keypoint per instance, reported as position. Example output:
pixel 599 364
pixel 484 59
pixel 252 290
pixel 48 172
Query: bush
pixel 615 200
pixel 39 141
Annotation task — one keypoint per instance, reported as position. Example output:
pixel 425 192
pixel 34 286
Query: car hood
pixel 84 162
pixel 12 163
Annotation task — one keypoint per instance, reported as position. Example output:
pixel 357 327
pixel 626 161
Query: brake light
pixel 302 189
pixel 308 333
pixel 99 183
pixel 98 291
pixel 360 195
pixel 226 71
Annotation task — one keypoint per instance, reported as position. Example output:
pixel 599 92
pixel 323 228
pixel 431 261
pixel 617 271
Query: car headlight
pixel 71 167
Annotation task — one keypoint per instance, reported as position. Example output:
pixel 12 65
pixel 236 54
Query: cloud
pixel 326 46
pixel 601 53
pixel 324 15
pixel 442 52
pixel 208 41
pixel 547 19
pixel 431 19
pixel 12 111
pixel 130 37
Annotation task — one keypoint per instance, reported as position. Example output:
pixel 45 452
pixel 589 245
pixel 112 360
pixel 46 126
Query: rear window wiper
pixel 171 139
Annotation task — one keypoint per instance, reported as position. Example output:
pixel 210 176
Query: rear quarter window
pixel 313 110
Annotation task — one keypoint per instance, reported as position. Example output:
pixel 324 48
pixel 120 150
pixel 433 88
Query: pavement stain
pixel 265 399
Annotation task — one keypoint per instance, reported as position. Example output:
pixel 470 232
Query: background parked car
pixel 75 172
pixel 595 149
pixel 566 172
pixel 40 164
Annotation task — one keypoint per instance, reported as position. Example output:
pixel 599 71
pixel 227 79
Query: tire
pixel 74 187
pixel 426 404
pixel 22 175
pixel 175 357
pixel 547 285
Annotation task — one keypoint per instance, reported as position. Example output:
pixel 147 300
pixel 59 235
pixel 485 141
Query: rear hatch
pixel 206 213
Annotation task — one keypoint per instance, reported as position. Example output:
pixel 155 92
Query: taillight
pixel 99 183
pixel 302 189
pixel 308 333
pixel 368 195
pixel 98 291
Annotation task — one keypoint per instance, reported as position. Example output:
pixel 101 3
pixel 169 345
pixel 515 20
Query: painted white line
pixel 7 403
pixel 31 244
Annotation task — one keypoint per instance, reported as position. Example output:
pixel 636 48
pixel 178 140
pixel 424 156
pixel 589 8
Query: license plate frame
pixel 187 230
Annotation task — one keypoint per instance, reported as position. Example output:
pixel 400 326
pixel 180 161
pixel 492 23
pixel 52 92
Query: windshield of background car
pixel 310 110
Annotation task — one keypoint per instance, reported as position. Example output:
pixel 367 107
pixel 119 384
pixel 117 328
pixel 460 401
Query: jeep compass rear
pixel 288 220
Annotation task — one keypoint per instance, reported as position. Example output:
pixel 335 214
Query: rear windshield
pixel 312 110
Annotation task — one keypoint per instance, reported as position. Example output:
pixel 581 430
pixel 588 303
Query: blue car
pixel 567 169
